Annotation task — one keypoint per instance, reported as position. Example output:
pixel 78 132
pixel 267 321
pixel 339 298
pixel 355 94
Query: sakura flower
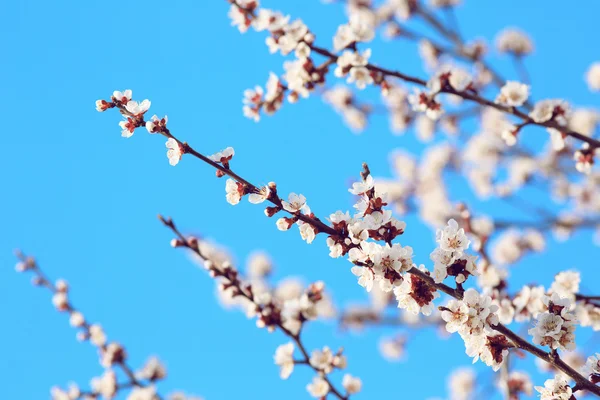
pixel 153 370
pixel 122 97
pixel 270 20
pixel 592 77
pixel 234 191
pixel 513 94
pixel 553 109
pixel 335 249
pixel 363 186
pixel 556 327
pixel 239 18
pixel 174 151
pixel 589 315
pixel 253 101
pixel 514 41
pixel 557 138
pixel 223 156
pixel 584 158
pixel 308 233
pixel 261 196
pixel 295 203
pixel 460 79
pixel 136 108
pixel 102 105
pixel 283 224
pixel 72 393
pixel 358 232
pixel 518 383
pixel 112 354
pixel 491 348
pixel 128 127
pixel 452 238
pixel 322 360
pixel 357 30
pixel 424 102
pixel 284 357
pixel 429 53
pixel 509 135
pixel 592 366
pixel 106 385
pixel 392 349
pixel 461 384
pixel 415 295
pixel 156 124
pixel 350 59
pixel 365 276
pixel 318 387
pixel 456 314
pixel 351 384
pixel 555 389
pixel 360 75
pixel 97 336
pixel 566 284
pixel 76 319
pixel 60 301
pixel 528 303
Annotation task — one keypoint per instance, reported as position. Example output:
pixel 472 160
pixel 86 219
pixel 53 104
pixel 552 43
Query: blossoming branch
pixel 139 385
pixel 390 265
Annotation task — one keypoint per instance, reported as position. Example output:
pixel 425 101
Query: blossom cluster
pixel 287 306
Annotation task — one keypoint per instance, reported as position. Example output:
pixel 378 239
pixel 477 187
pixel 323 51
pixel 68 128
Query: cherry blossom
pixel 356 30
pixel 365 277
pixel 284 357
pixel 555 389
pixel 514 41
pixel 461 384
pixel 556 327
pixel 156 124
pixel 318 387
pixel 295 203
pixel 415 295
pixel 174 151
pixel 122 97
pixel 234 191
pixel 513 94
pixel 452 238
pixel 352 384
pixel 592 77
pixel 136 108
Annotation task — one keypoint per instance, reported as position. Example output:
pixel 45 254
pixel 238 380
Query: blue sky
pixel 84 200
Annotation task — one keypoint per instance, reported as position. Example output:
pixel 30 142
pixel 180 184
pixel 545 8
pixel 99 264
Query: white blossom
pixel 352 384
pixel 123 97
pixel 174 151
pixel 452 238
pixel 514 41
pixel 365 277
pixel 513 94
pixel 318 387
pixel 295 203
pixel 136 108
pixel 555 389
pixel 233 191
pixel 592 77
pixel 592 364
pixel 284 357
pixel 461 384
